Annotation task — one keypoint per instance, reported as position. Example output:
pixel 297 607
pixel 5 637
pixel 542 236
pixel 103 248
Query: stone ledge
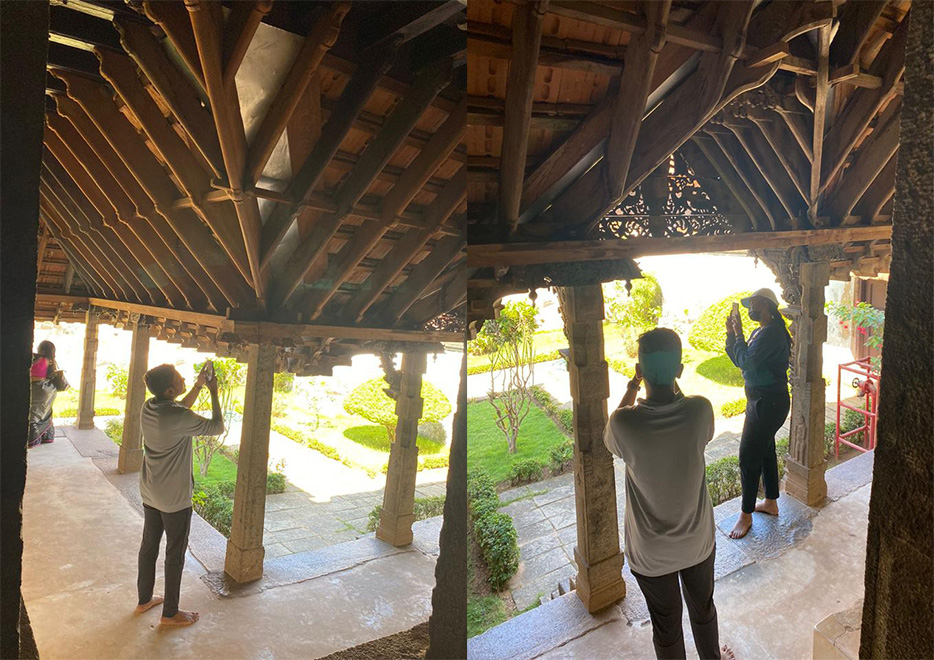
pixel 837 636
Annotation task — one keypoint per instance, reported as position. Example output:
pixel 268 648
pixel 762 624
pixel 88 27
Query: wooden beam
pixel 407 20
pixel 177 90
pixel 631 99
pixel 775 131
pixel 822 86
pixel 173 19
pixel 729 184
pixel 738 158
pixel 403 118
pixel 856 22
pixel 863 105
pixel 526 40
pixel 451 295
pixel 782 22
pixel 82 262
pixel 407 248
pixel 319 41
pixel 352 99
pixel 242 24
pixel 148 172
pixel 525 254
pixel 870 205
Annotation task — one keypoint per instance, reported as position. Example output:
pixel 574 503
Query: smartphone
pixel 735 311
pixel 209 370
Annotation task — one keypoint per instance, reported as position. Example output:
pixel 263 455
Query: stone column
pixel 245 551
pixel 131 447
pixel 88 372
pixel 396 516
pixel 598 557
pixel 804 478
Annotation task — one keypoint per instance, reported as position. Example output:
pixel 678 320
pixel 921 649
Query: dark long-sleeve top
pixel 764 359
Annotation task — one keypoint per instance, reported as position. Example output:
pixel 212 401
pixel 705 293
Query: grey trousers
pixel 663 596
pixel 176 526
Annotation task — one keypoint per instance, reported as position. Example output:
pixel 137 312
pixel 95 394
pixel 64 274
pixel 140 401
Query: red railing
pixel 868 385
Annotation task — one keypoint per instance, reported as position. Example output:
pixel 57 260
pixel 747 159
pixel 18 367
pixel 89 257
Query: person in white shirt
pixel 166 482
pixel 669 523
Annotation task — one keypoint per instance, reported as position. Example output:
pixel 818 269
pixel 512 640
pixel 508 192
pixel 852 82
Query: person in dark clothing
pixel 764 363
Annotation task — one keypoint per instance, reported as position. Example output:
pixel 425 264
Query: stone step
pixel 564 587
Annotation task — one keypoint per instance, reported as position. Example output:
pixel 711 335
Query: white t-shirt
pixel 166 481
pixel 669 521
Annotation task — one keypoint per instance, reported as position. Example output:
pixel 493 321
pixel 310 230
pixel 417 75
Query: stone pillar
pixel 88 372
pixel 598 557
pixel 804 478
pixel 898 621
pixel 131 447
pixel 396 517
pixel 245 551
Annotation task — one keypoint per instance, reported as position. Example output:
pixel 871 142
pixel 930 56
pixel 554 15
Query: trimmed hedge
pixel 709 331
pixel 525 471
pixel 98 412
pixel 424 508
pixel 275 483
pixel 561 455
pixel 549 405
pixel 733 408
pixel 329 451
pixel 486 368
pixel 494 531
pixel 370 401
pixel 622 367
pixel 214 503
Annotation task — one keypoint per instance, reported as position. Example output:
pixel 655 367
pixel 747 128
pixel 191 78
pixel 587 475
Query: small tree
pixel 118 376
pixel 314 394
pixel 635 311
pixel 370 401
pixel 230 374
pixel 508 342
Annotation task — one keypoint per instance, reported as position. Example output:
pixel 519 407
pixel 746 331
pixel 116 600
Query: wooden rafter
pixel 856 21
pixel 785 146
pixel 728 186
pixel 871 205
pixel 244 20
pixel 751 176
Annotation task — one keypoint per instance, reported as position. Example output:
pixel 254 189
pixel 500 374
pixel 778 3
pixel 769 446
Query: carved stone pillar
pixel 245 550
pixel 805 466
pixel 396 516
pixel 597 554
pixel 131 447
pixel 88 372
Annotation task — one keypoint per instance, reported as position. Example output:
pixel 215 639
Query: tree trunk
pixel 511 439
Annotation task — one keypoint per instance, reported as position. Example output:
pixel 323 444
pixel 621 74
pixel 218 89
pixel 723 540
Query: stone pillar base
pixel 600 584
pixel 805 484
pixel 396 516
pixel 84 424
pixel 129 460
pixel 244 565
pixel 396 530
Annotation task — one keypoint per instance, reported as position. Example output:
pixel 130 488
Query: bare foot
pixel 742 526
pixel 768 506
pixel 155 600
pixel 726 653
pixel 182 618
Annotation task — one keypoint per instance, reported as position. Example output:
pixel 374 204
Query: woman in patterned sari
pixel 42 395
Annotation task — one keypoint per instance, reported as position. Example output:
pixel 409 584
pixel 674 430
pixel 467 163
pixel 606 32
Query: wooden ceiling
pixel 287 162
pixel 585 119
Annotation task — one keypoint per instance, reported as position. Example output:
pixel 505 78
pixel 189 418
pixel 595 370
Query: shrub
pixel 433 462
pixel 709 330
pixel 539 357
pixel 494 531
pixel 721 370
pixel 619 366
pixel 320 447
pixel 850 421
pixel 99 412
pixel 118 376
pixel 232 454
pixel 781 453
pixel 370 401
pixel 215 505
pixel 525 471
pixel 561 455
pixel 275 483
pixel 733 408
pixel 830 432
pixel 723 479
pixel 424 508
pixel 114 430
pixel 549 405
pixel 639 308
pixel 278 406
pixel 283 382
pixel 434 431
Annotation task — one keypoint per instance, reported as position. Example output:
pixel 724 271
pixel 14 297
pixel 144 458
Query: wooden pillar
pixel 245 550
pixel 131 447
pixel 396 517
pixel 805 465
pixel 88 372
pixel 598 557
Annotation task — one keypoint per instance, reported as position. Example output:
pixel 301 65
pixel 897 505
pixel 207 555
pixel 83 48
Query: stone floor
pixel 773 587
pixel 326 502
pixel 79 574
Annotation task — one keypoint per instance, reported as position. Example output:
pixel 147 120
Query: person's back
pixel 669 522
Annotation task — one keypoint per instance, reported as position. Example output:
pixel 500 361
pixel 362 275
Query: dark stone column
pixel 898 610
pixel 24 49
pixel 447 628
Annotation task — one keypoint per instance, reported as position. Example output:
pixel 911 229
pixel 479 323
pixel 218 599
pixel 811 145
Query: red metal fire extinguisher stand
pixel 867 382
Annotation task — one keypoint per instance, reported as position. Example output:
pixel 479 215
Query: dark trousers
pixel 663 596
pixel 176 526
pixel 765 414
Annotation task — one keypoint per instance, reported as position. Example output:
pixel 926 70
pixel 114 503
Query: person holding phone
pixel 166 482
pixel 764 363
pixel 669 522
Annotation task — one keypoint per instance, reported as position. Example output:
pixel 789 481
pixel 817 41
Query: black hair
pixel 660 339
pixel 46 349
pixel 159 379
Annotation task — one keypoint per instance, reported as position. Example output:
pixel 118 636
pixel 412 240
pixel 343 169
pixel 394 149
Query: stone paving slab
pixel 771 536
pixel 843 479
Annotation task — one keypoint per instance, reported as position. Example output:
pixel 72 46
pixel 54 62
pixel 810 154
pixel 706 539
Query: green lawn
pixel 486 444
pixel 102 399
pixel 221 469
pixel 375 437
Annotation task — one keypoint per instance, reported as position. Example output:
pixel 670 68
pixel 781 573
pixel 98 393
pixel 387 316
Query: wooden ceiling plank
pixel 242 24
pixel 319 41
pixel 856 22
pixel 177 90
pixel 450 295
pixel 352 100
pixel 633 92
pixel 119 71
pixel 176 257
pixel 148 172
pixel 526 40
pixel 173 19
